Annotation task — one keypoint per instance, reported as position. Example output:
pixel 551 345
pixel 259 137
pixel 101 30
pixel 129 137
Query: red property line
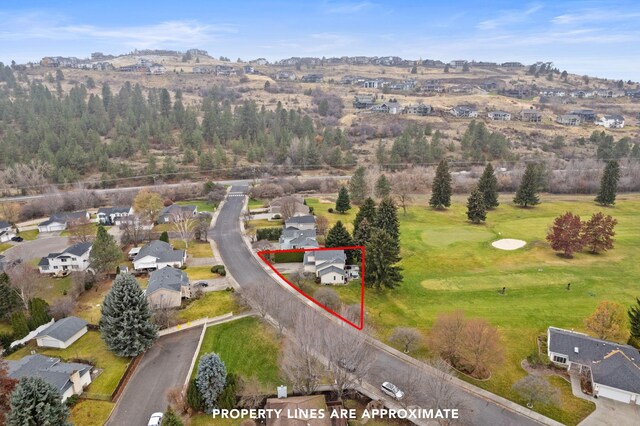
pixel 265 253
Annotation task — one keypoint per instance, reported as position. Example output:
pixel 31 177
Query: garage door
pixel 615 394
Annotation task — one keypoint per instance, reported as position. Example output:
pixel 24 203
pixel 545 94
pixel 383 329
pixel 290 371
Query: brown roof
pixel 298 404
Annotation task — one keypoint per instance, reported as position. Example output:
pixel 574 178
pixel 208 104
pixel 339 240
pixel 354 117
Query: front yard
pixel 196 273
pixel 29 235
pixel 211 304
pixel 195 249
pixel 89 412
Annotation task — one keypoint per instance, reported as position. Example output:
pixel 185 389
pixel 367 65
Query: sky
pixel 597 38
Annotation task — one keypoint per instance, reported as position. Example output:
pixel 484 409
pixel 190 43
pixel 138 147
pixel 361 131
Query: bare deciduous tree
pixel 482 349
pixel 62 307
pixel 299 360
pixel 329 298
pixel 322 225
pixel 183 223
pixel 203 222
pixel 177 400
pixel 403 184
pixel 536 390
pixel 288 207
pixel 10 212
pixel 409 339
pixel 252 393
pixel 440 391
pixel 447 335
pixel 134 230
pixel 25 280
pixel 349 359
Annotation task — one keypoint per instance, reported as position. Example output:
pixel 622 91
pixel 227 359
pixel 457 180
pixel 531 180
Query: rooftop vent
pixel 576 349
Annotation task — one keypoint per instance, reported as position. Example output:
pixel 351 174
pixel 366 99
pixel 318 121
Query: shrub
pixel 271 234
pixel 218 269
pixel 194 399
pixel 288 257
pixel 72 400
pixel 19 325
pixel 330 209
pixel 227 399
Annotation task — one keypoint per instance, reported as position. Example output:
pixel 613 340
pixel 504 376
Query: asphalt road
pixel 163 367
pixel 36 249
pixel 247 272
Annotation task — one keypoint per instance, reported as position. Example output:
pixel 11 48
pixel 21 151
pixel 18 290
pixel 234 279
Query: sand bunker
pixel 508 244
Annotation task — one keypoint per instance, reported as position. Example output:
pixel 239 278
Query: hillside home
pixel 511 65
pixel 433 88
pixel 582 94
pixel 284 75
pixel 612 368
pixel 614 121
pixel 6 231
pixel 569 119
pixel 327 265
pixel 60 221
pixel 292 238
pixel 418 109
pixel 113 215
pixel 248 69
pixel 586 115
pixel 387 108
pixel 177 212
pixel 157 69
pixel 312 78
pixel 167 287
pixel 66 377
pixel 499 116
pixel 75 258
pixel 363 101
pixel 458 63
pixel 464 89
pixel 203 70
pixel 465 111
pixel 374 84
pixel 531 116
pixel 61 334
pixel 301 222
pixel 157 255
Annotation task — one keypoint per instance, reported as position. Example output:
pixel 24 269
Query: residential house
pixel 203 70
pixel 373 84
pixel 586 115
pixel 157 69
pixel 418 109
pixel 433 88
pixel 225 70
pixel 312 78
pixel 609 93
pixel 614 121
pixel 387 108
pixel 295 205
pixel 6 231
pixel 458 63
pixel 499 116
pixel 301 222
pixel 363 101
pixel 518 92
pixel 327 265
pixel 569 119
pixel 511 65
pixel 74 258
pixel 553 92
pixel 582 94
pixel 463 89
pixel 248 69
pixel 292 238
pixel 61 334
pixel 157 255
pixel 284 75
pixel 531 115
pixel 60 221
pixel 68 378
pixel 465 111
pixel 167 287
pixel 259 61
pixel 409 84
pixel 612 368
pixel 177 212
pixel 113 215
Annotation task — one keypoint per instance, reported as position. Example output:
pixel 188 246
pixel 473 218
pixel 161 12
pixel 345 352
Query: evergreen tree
pixel 488 186
pixel 358 186
pixel 164 237
pixel 383 187
pixel 387 219
pixel 367 211
pixel 342 203
pixel 363 233
pixel 634 319
pixel 35 402
pixel 527 193
pixel 125 325
pixel 105 253
pixel 211 379
pixel 338 236
pixel 382 255
pixel 441 190
pixel 476 209
pixel 9 300
pixel 609 184
pixel 171 419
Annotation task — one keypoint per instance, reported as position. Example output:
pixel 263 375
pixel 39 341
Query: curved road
pixel 247 272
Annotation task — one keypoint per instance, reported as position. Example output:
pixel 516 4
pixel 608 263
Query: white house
pixel 301 223
pixel 6 231
pixel 327 265
pixel 113 215
pixel 62 333
pixel 73 258
pixel 66 377
pixel 614 369
pixel 167 287
pixel 614 121
pixel 464 111
pixel 499 116
pixel 157 255
pixel 60 221
pixel 157 69
pixel 298 239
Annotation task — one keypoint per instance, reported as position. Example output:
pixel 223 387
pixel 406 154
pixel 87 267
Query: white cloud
pixel 508 17
pixel 595 15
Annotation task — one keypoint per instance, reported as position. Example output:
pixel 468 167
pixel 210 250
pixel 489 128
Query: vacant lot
pixel 450 265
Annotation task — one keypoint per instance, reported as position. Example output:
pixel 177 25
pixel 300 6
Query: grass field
pixel 256 203
pixel 88 412
pixel 200 273
pixel 212 304
pixel 202 205
pixel 195 249
pixel 321 207
pixel 92 349
pixel 29 235
pixel 450 265
pixel 53 288
pixel 5 246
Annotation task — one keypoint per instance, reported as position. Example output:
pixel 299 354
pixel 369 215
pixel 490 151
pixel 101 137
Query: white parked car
pixel 155 419
pixel 392 390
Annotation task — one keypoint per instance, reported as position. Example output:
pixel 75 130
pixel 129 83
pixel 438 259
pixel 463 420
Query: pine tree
pixel 387 219
pixel 338 236
pixel 609 184
pixel 9 300
pixel 357 185
pixel 634 319
pixel 441 191
pixel 35 402
pixel 171 419
pixel 363 233
pixel 383 187
pixel 125 325
pixel 164 237
pixel 342 203
pixel 476 209
pixel 382 255
pixel 367 211
pixel 105 253
pixel 527 193
pixel 211 379
pixel 488 186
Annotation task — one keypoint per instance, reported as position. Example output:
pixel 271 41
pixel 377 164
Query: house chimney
pixel 576 350
pixel 282 391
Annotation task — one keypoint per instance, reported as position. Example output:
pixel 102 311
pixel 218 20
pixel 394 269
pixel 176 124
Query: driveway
pixel 163 367
pixel 608 412
pixel 36 249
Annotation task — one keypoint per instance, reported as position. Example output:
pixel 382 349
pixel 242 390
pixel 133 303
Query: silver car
pixel 392 390
pixel 156 419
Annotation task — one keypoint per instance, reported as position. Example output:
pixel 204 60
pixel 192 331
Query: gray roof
pixel 114 210
pixel 608 117
pixel 300 219
pixel 329 269
pixel 161 251
pixel 167 278
pixel 51 370
pixel 79 249
pixel 612 364
pixel 4 224
pixel 64 217
pixel 176 209
pixel 304 242
pixel 325 255
pixel 297 233
pixel 64 329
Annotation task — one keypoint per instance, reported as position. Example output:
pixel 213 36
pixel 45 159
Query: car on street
pixel 17 239
pixel 346 365
pixel 155 419
pixel 392 390
pixel 201 284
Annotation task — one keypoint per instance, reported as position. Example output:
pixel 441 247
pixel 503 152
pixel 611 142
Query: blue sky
pixel 599 38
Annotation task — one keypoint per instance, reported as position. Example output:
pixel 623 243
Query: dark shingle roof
pixel 175 209
pixel 160 250
pixel 301 219
pixel 79 249
pixel 4 224
pixel 114 210
pixel 297 233
pixel 51 370
pixel 167 278
pixel 64 217
pixel 618 371
pixel 64 329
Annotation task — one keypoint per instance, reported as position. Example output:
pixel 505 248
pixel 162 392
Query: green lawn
pixel 320 208
pixel 195 249
pixel 264 223
pixel 92 227
pixel 202 205
pixel 90 302
pixel 89 412
pixel 53 288
pixel 210 305
pixel 257 203
pixel 5 328
pixel 200 273
pixel 247 347
pixel 450 264
pixel 92 349
pixel 29 235
pixel 5 246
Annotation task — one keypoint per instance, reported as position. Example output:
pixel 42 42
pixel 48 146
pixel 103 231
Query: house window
pixel 560 359
pixel 45 268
